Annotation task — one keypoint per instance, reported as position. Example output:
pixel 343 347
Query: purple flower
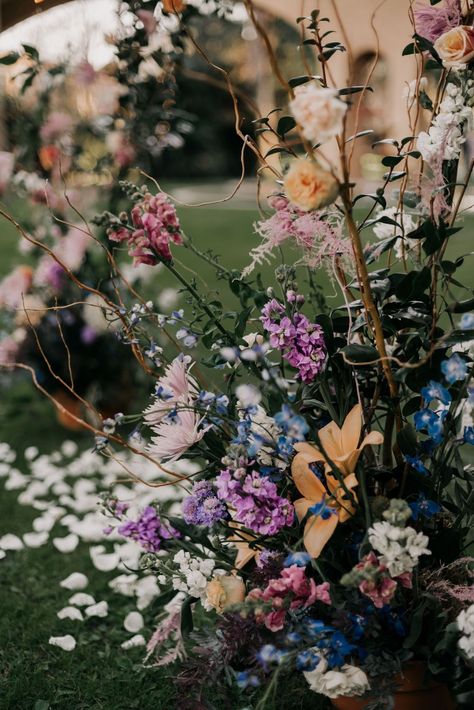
pixel 300 341
pixel 255 498
pixel 431 21
pixel 203 507
pixel 148 530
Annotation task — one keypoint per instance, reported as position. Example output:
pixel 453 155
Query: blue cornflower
pixel 454 369
pixel 245 679
pixel 435 428
pixel 307 660
pixel 417 464
pixel 300 559
pixel 322 509
pixel 423 506
pixel 469 435
pixel 243 429
pixel 467 321
pixel 293 425
pixel 435 390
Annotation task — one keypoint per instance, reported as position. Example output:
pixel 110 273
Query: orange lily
pixel 340 445
pixel 245 553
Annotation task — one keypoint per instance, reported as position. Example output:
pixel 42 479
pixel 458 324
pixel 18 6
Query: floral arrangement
pixel 323 540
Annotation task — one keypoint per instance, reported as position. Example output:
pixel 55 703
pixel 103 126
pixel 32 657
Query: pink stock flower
pixel 431 21
pixel 156 224
pixel 292 590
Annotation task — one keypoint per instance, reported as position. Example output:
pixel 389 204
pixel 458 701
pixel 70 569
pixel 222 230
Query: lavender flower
pixel 148 530
pixel 256 501
pixel 203 507
pixel 431 21
pixel 301 342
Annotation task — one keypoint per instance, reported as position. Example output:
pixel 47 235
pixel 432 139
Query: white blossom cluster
pixel 448 130
pixel 348 680
pixel 465 622
pixel 400 548
pixel 193 575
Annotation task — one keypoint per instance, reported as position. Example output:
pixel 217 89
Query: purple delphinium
pixel 432 21
pixel 256 501
pixel 203 507
pixel 148 530
pixel 300 341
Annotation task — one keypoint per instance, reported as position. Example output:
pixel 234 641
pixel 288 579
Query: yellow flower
pixel 223 592
pixel 309 186
pixel 336 506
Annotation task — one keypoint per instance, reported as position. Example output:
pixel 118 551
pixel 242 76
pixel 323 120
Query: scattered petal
pixel 70 612
pixel 133 622
pixel 35 539
pixel 81 599
pixel 100 609
pixel 134 642
pixel 67 643
pixel 11 542
pixel 66 544
pixel 75 581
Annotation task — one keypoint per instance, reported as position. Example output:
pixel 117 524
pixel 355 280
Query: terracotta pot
pixel 73 409
pixel 412 693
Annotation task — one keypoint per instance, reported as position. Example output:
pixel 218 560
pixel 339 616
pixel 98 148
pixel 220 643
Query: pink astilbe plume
pixel 431 21
pixel 175 435
pixel 318 233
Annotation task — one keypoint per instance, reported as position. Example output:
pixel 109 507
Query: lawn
pixel 98 675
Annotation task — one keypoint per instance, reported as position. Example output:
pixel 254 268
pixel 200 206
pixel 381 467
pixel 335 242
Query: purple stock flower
pixel 203 507
pixel 256 501
pixel 432 21
pixel 148 530
pixel 301 342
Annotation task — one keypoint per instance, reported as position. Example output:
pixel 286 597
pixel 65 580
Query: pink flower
pixel 148 19
pixel 431 21
pixel 14 287
pixel 175 436
pixel 175 387
pixel 7 161
pixel 8 351
pixel 57 124
pixel 377 583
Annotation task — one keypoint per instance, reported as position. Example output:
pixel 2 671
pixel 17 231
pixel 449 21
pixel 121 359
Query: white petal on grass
pixel 43 524
pixel 124 584
pixel 69 448
pixel 134 642
pixel 82 599
pixel 31 452
pixel 76 581
pixel 104 561
pixel 11 542
pixel 133 622
pixel 70 612
pixel 2 554
pixel 101 609
pixel 35 539
pixel 67 643
pixel 66 544
pixel 15 480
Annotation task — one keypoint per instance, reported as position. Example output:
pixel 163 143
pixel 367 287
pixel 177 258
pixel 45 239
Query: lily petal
pixel 302 505
pixel 350 432
pixel 317 532
pixel 305 480
pixel 331 440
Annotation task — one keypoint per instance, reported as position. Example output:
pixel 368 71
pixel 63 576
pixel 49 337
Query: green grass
pixel 98 674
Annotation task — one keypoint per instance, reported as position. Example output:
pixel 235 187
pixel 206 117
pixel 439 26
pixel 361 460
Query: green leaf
pixel 425 101
pixel 414 284
pixel 10 58
pixel 412 406
pixel 277 149
pixel 416 626
pixel 391 161
pixel 360 353
pixel 41 705
pixel 285 124
pixel 31 51
pixel 462 306
pixel 407 441
pixel 187 624
pixel 354 89
pixel 303 79
pixel 359 135
pixel 455 337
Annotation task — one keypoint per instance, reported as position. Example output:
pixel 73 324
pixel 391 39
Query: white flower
pixel 349 680
pixel 445 137
pixel 248 395
pixel 400 548
pixel 412 89
pixel 101 609
pixel 75 582
pixel 465 620
pixel 67 643
pixel 70 612
pixel 319 112
pixel 133 622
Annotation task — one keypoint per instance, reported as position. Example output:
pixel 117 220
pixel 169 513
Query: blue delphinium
pixel 307 660
pixel 467 321
pixel 424 507
pixel 416 463
pixel 436 391
pixel 245 679
pixel 454 369
pixel 300 559
pixel 469 435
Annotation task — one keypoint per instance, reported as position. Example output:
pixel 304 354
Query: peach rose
pixel 319 111
pixel 223 592
pixel 309 186
pixel 456 47
pixel 173 5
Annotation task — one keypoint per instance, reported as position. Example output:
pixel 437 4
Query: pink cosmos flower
pixel 431 21
pixel 175 436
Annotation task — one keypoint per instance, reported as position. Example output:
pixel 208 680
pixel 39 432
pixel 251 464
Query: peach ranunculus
pixel 223 592
pixel 456 47
pixel 308 186
pixel 319 111
pixel 329 499
pixel 173 5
